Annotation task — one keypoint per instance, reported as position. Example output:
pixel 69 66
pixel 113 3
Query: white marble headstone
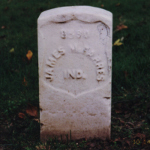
pixel 74 54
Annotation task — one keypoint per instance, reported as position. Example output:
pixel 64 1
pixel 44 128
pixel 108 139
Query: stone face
pixel 74 53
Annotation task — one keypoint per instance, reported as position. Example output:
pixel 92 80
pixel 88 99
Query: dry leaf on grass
pixel 12 50
pixel 121 26
pixel 21 115
pixel 32 110
pixel 29 55
pixel 148 141
pixel 36 120
pixel 118 43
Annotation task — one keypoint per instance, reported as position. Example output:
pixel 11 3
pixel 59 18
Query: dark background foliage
pixel 130 78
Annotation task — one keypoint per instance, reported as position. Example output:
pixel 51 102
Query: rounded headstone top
pixel 83 13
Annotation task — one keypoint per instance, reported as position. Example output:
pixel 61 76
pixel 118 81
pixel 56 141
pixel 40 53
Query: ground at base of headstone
pixel 129 131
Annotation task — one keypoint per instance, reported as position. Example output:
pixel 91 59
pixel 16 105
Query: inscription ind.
pixel 74 74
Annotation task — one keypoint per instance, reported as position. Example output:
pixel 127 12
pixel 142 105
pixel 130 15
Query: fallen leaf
pixel 12 50
pixel 32 110
pixel 148 141
pixel 29 55
pixel 36 120
pixel 121 26
pixel 21 115
pixel 24 82
pixel 118 43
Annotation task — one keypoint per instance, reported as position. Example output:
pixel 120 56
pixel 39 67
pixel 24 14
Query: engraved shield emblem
pixel 77 60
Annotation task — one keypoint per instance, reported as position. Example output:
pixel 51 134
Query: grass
pixel 130 86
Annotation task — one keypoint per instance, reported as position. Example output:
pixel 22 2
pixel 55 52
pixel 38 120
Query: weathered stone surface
pixel 74 53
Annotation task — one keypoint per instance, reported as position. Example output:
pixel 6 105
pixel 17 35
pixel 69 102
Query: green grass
pixel 131 68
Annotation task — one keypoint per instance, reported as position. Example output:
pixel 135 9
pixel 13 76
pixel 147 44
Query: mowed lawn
pixel 19 89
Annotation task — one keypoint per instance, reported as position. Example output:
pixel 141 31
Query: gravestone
pixel 74 54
